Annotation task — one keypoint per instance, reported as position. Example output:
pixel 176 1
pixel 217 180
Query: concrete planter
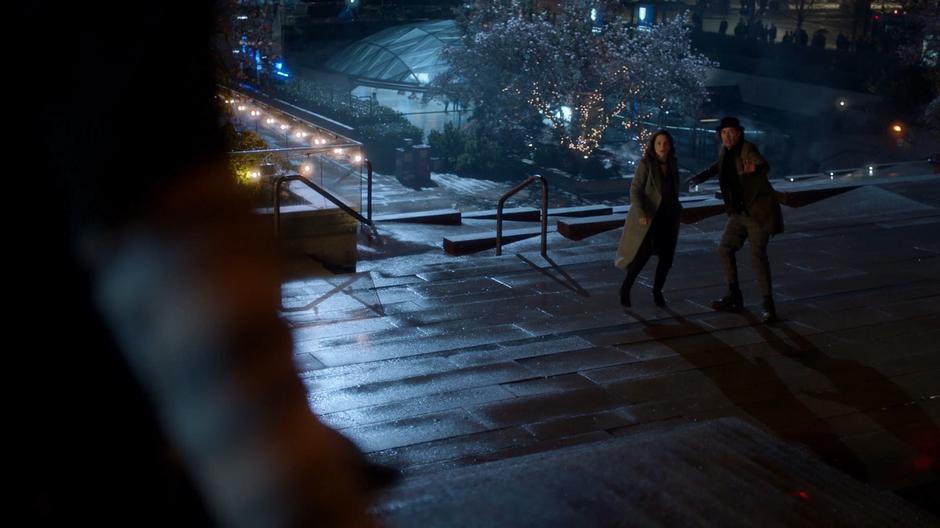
pixel 327 235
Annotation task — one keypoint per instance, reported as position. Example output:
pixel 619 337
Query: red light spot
pixel 802 495
pixel 923 463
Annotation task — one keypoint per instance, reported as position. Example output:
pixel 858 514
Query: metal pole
pixel 499 225
pixel 369 189
pixel 544 217
pixel 277 205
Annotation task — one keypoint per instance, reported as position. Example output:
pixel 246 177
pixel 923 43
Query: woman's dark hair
pixel 651 148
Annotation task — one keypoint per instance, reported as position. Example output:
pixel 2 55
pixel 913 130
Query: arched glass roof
pixel 408 54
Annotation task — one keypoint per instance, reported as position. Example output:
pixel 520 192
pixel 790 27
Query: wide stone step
pixel 699 210
pixel 723 472
pixel 693 210
pixel 799 198
pixel 465 244
pixel 581 228
pixel 534 215
pixel 580 211
pixel 436 216
pixel 510 213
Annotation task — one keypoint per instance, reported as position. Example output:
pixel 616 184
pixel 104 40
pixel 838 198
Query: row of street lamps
pixel 255 115
pixel 316 140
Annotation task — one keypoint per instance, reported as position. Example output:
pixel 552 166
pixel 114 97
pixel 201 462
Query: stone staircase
pixel 459 369
pixel 656 476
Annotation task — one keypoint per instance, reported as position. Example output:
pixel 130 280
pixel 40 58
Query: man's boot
pixel 729 303
pixel 769 314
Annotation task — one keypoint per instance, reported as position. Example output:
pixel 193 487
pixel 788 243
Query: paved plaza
pixel 484 370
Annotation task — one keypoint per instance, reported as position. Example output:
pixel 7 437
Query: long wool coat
pixel 645 197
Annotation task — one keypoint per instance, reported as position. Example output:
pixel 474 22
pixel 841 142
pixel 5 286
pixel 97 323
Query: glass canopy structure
pixel 402 55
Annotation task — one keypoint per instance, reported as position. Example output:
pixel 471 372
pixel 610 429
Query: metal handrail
pixel 282 150
pixel 502 202
pixel 346 144
pixel 297 177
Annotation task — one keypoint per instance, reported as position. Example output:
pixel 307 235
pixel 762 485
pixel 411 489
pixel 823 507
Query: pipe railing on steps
pixel 502 202
pixel 323 192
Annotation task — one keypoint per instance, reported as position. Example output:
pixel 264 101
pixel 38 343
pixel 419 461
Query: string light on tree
pixel 513 62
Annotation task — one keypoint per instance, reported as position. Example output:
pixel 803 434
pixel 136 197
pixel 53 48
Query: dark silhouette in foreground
pixel 165 393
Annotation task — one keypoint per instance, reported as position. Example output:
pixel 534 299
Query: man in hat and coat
pixel 753 213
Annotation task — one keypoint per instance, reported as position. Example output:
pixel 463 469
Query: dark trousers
pixel 660 240
pixel 738 229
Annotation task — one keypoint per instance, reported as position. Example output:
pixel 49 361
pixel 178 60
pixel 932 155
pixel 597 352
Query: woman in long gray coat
pixel 652 225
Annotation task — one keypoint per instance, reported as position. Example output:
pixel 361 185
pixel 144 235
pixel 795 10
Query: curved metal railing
pixel 502 202
pixel 324 193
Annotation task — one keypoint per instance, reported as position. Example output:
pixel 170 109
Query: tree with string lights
pixel 919 51
pixel 571 73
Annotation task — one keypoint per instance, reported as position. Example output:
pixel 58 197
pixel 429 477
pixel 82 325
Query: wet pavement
pixel 462 367
pixel 655 476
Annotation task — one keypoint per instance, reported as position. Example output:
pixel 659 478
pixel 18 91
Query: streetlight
pixel 239 109
pixel 899 132
pixel 286 130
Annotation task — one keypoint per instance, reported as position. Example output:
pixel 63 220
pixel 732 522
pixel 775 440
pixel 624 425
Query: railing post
pixel 369 190
pixel 544 216
pixel 277 205
pixel 315 187
pixel 499 224
pixel 544 213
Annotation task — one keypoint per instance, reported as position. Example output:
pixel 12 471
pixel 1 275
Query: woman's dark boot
pixel 658 299
pixel 625 289
pixel 732 302
pixel 769 314
pixel 658 283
